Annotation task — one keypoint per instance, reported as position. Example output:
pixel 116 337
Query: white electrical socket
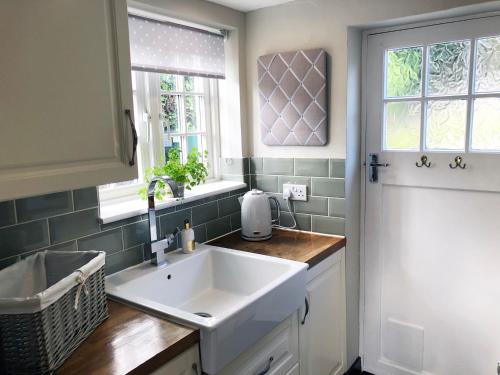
pixel 296 192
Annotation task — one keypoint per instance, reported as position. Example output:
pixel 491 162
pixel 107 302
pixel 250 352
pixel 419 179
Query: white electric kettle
pixel 256 220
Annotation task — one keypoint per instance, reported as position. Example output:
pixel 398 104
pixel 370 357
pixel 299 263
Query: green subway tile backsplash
pixel 274 166
pixel 71 217
pixel 229 205
pixel 218 227
pixel 74 225
pixel 324 210
pixel 313 205
pixel 255 165
pixel 65 246
pixel 110 241
pixel 328 187
pixel 337 168
pixel 264 183
pixel 7 213
pixel 119 261
pixel 205 212
pixel 43 206
pixel 328 225
pixel 85 198
pixel 312 167
pixel 19 239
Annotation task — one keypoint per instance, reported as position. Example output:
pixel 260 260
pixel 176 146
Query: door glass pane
pixel 170 113
pixel 402 126
pixel 446 123
pixel 171 142
pixel 486 124
pixel 448 68
pixel 194 108
pixel 168 82
pixel 403 72
pixel 488 64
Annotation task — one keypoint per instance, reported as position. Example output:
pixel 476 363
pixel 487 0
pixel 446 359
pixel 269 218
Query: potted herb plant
pixel 187 175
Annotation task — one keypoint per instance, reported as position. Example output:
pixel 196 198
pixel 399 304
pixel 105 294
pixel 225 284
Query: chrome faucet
pixel 157 246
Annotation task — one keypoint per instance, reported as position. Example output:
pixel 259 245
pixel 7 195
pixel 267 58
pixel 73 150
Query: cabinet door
pixel 187 363
pixel 274 354
pixel 65 87
pixel 322 327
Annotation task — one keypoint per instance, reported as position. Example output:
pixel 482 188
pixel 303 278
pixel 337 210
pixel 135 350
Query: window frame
pixel 423 98
pixel 150 151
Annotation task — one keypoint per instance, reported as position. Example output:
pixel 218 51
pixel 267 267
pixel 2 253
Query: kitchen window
pixel 175 73
pixel 171 111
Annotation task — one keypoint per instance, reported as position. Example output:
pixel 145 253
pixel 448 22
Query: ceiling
pixel 248 5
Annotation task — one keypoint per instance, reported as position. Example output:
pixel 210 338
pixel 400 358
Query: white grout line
pixel 15 212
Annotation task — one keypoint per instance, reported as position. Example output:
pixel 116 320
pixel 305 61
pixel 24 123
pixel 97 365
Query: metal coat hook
pixel 423 161
pixel 458 163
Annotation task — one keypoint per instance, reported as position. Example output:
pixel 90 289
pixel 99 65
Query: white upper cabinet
pixel 65 89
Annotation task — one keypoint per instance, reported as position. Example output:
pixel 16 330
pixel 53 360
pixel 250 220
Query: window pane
pixel 446 122
pixel 448 68
pixel 193 84
pixel 194 111
pixel 134 81
pixel 168 82
pixel 486 124
pixel 170 113
pixel 488 65
pixel 402 126
pixel 194 142
pixel 403 72
pixel 171 142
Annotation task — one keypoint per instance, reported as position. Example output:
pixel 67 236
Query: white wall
pixel 232 89
pixel 305 24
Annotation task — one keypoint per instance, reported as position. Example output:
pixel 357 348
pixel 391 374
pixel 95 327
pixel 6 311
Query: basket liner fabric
pixel 39 280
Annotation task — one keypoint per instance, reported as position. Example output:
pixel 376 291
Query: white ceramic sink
pixel 246 295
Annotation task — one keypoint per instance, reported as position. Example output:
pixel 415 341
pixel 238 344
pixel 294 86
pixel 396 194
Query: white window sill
pixel 111 211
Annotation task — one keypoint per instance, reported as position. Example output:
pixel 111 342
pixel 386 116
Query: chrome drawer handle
pixel 131 162
pixel 268 367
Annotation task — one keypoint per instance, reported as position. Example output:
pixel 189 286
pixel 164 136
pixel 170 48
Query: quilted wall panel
pixel 293 98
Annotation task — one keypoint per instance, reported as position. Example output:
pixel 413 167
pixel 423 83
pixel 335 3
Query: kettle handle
pixel 277 220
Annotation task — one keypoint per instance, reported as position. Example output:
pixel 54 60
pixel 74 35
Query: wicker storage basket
pixel 49 303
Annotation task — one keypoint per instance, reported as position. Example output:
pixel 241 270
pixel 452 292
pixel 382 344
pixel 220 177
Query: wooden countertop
pixel 304 247
pixel 129 342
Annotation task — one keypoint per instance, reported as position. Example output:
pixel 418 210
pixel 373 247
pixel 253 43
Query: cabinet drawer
pixel 184 364
pixel 281 344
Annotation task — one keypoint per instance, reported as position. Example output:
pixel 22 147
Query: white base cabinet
pixel 277 353
pixel 66 89
pixel 322 325
pixel 187 363
pixel 310 342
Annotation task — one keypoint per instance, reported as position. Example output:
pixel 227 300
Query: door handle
pixel 268 367
pixel 374 166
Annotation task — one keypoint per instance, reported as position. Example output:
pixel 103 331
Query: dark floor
pixel 356 369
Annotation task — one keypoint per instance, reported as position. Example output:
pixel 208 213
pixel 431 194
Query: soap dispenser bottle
pixel 187 237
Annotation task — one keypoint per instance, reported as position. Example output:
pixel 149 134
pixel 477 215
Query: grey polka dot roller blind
pixel 164 47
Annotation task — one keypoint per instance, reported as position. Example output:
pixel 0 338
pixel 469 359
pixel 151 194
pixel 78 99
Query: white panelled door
pixel 432 232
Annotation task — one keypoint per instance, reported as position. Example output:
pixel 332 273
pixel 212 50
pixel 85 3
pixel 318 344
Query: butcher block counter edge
pixel 131 342
pixel 301 246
